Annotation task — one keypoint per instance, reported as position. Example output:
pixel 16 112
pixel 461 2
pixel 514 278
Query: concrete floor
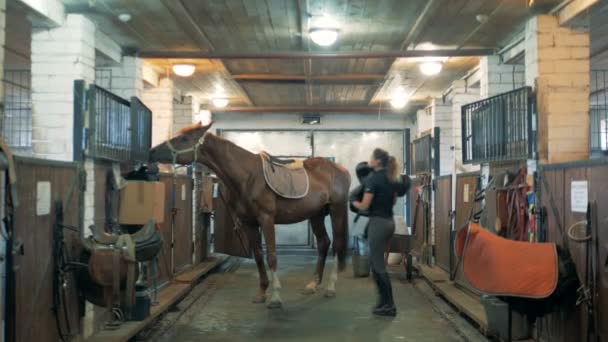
pixel 227 314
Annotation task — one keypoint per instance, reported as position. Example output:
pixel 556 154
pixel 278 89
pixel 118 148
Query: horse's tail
pixel 339 215
pixel 341 238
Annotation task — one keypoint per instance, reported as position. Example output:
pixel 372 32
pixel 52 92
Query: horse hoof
pixel 274 305
pixel 259 300
pixel 330 293
pixel 309 291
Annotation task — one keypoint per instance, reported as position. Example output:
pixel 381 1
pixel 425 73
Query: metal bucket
pixel 361 266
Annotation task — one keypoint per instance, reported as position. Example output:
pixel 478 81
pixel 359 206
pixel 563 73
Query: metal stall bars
pixel 499 128
pixel 598 113
pixel 16 123
pixel 109 127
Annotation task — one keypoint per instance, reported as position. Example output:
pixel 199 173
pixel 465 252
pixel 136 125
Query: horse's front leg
pixel 267 224
pixel 255 241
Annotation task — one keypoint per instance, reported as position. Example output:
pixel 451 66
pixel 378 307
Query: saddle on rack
pixel 286 177
pixel 502 267
pixel 112 261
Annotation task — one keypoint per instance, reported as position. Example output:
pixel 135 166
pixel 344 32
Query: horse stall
pixel 573 204
pixel 45 293
pixel 70 216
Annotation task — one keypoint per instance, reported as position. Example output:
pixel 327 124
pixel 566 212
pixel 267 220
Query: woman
pixel 378 200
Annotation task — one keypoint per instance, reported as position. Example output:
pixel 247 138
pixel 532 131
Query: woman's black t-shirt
pixel 379 185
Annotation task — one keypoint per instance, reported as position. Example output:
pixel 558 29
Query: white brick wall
pixel 497 78
pixel 127 79
pixel 161 101
pixel 557 63
pixel 424 121
pixel 59 56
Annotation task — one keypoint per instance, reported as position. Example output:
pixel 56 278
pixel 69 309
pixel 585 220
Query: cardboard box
pixel 140 201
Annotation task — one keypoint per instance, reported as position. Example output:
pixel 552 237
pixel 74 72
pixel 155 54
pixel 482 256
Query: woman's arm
pixel 364 204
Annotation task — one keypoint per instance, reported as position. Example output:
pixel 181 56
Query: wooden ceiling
pixel 281 26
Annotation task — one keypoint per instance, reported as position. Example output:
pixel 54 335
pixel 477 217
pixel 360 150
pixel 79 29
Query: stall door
pixel 288 144
pixel 443 226
pixel 348 148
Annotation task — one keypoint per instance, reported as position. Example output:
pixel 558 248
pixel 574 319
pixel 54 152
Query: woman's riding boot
pixel 380 287
pixel 388 309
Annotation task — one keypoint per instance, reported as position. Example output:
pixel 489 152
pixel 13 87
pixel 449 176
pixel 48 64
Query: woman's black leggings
pixel 379 233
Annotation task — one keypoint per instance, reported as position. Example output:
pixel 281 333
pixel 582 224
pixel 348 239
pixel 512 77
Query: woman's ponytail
pixel 392 169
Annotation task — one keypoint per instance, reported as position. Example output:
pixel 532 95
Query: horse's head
pixel 182 147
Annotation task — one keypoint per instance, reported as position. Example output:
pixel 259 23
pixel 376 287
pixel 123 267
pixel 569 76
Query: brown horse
pixel 258 206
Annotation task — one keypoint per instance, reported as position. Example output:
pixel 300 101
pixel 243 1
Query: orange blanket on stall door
pixel 502 267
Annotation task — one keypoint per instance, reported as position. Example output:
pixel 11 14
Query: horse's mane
pixel 188 128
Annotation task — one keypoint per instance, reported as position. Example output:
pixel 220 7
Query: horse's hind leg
pixel 339 223
pixel 255 240
pixel 318 228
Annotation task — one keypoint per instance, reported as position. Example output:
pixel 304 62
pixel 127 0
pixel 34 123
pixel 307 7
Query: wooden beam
pixel 573 9
pixel 420 24
pixel 287 77
pixel 318 55
pixel 315 109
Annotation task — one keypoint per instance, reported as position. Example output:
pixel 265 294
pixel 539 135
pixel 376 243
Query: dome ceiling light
pixel 323 36
pixel 399 102
pixel 430 68
pixel 220 102
pixel 184 70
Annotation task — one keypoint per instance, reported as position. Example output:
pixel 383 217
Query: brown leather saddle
pixel 112 264
pixel 286 177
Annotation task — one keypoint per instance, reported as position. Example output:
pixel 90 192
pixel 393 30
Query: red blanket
pixel 502 267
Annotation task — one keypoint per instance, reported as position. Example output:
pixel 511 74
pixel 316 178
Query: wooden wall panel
pixel 182 230
pixel 465 204
pixel 555 191
pixel 34 278
pixel 443 209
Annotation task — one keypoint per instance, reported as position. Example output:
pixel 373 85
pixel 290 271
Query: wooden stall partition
pixel 416 218
pixel 555 194
pixel 466 184
pixel 443 221
pixel 40 185
pixel 176 254
pixel 183 228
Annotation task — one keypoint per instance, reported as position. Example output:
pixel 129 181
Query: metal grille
pixel 598 112
pixel 17 120
pixel 141 130
pixel 422 154
pixel 118 130
pixel 499 128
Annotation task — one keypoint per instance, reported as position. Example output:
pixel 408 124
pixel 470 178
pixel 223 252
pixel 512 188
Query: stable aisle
pixel 225 312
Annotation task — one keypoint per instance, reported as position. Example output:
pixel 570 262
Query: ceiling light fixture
pixel 323 36
pixel 399 102
pixel 430 68
pixel 124 17
pixel 220 102
pixel 184 70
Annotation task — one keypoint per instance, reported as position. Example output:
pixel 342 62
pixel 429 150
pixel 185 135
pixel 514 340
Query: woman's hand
pixel 364 204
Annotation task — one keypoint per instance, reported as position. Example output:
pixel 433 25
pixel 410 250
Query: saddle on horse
pixel 502 267
pixel 112 261
pixel 286 177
